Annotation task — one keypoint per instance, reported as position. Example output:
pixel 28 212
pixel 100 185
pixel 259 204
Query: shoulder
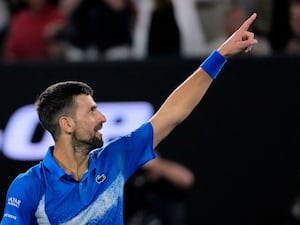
pixel 23 197
pixel 142 133
pixel 28 181
pixel 138 137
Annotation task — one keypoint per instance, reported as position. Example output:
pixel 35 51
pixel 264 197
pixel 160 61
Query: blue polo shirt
pixel 45 194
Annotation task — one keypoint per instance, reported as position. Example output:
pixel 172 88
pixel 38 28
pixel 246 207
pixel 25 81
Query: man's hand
pixel 240 40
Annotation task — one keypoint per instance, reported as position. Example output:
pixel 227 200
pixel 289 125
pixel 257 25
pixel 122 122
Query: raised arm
pixel 187 95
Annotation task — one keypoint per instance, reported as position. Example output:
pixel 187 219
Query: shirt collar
pixel 52 165
pixel 56 170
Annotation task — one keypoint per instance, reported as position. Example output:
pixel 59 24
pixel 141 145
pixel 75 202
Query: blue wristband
pixel 213 64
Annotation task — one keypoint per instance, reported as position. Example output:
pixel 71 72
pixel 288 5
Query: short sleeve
pixel 21 201
pixel 128 153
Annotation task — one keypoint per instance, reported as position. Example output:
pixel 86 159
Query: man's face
pixel 88 122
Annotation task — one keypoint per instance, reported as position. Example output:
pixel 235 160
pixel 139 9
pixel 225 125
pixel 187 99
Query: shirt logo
pixel 10 216
pixel 100 178
pixel 14 202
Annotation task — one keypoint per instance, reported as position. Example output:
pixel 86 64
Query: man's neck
pixel 71 161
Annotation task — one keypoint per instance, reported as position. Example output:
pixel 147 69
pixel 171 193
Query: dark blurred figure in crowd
pixel 279 29
pixel 168 28
pixel 157 194
pixel 164 34
pixel 59 49
pixel 29 28
pixel 292 45
pixel 103 27
pixel 56 45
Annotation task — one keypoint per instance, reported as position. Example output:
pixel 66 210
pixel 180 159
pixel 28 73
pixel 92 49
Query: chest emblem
pixel 100 178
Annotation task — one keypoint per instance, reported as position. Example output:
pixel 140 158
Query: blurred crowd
pixel 88 30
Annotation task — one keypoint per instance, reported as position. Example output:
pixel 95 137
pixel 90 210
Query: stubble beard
pixel 88 144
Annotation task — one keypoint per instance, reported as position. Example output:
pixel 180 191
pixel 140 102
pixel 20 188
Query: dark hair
pixel 58 100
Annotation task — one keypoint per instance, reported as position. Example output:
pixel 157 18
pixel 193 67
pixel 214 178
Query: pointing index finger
pixel 245 26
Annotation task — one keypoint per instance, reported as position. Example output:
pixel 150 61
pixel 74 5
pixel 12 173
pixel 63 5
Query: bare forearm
pixel 181 102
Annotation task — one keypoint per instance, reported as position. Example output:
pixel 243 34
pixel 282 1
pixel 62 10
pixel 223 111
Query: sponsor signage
pixel 16 141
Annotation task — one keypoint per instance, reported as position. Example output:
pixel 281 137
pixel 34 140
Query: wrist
pixel 222 52
pixel 213 64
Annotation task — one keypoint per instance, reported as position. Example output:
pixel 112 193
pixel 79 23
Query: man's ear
pixel 66 124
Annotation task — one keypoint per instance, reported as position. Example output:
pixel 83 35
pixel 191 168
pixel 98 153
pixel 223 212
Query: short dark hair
pixel 57 100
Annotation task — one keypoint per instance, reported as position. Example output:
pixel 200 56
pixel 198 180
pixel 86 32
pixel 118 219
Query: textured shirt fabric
pixel 45 194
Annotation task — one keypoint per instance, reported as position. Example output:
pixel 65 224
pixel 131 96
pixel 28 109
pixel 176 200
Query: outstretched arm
pixel 187 95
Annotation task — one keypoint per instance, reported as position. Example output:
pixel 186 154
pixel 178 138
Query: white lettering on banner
pixel 18 134
pixel 16 140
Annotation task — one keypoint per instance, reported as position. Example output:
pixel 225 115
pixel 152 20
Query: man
pixel 80 181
